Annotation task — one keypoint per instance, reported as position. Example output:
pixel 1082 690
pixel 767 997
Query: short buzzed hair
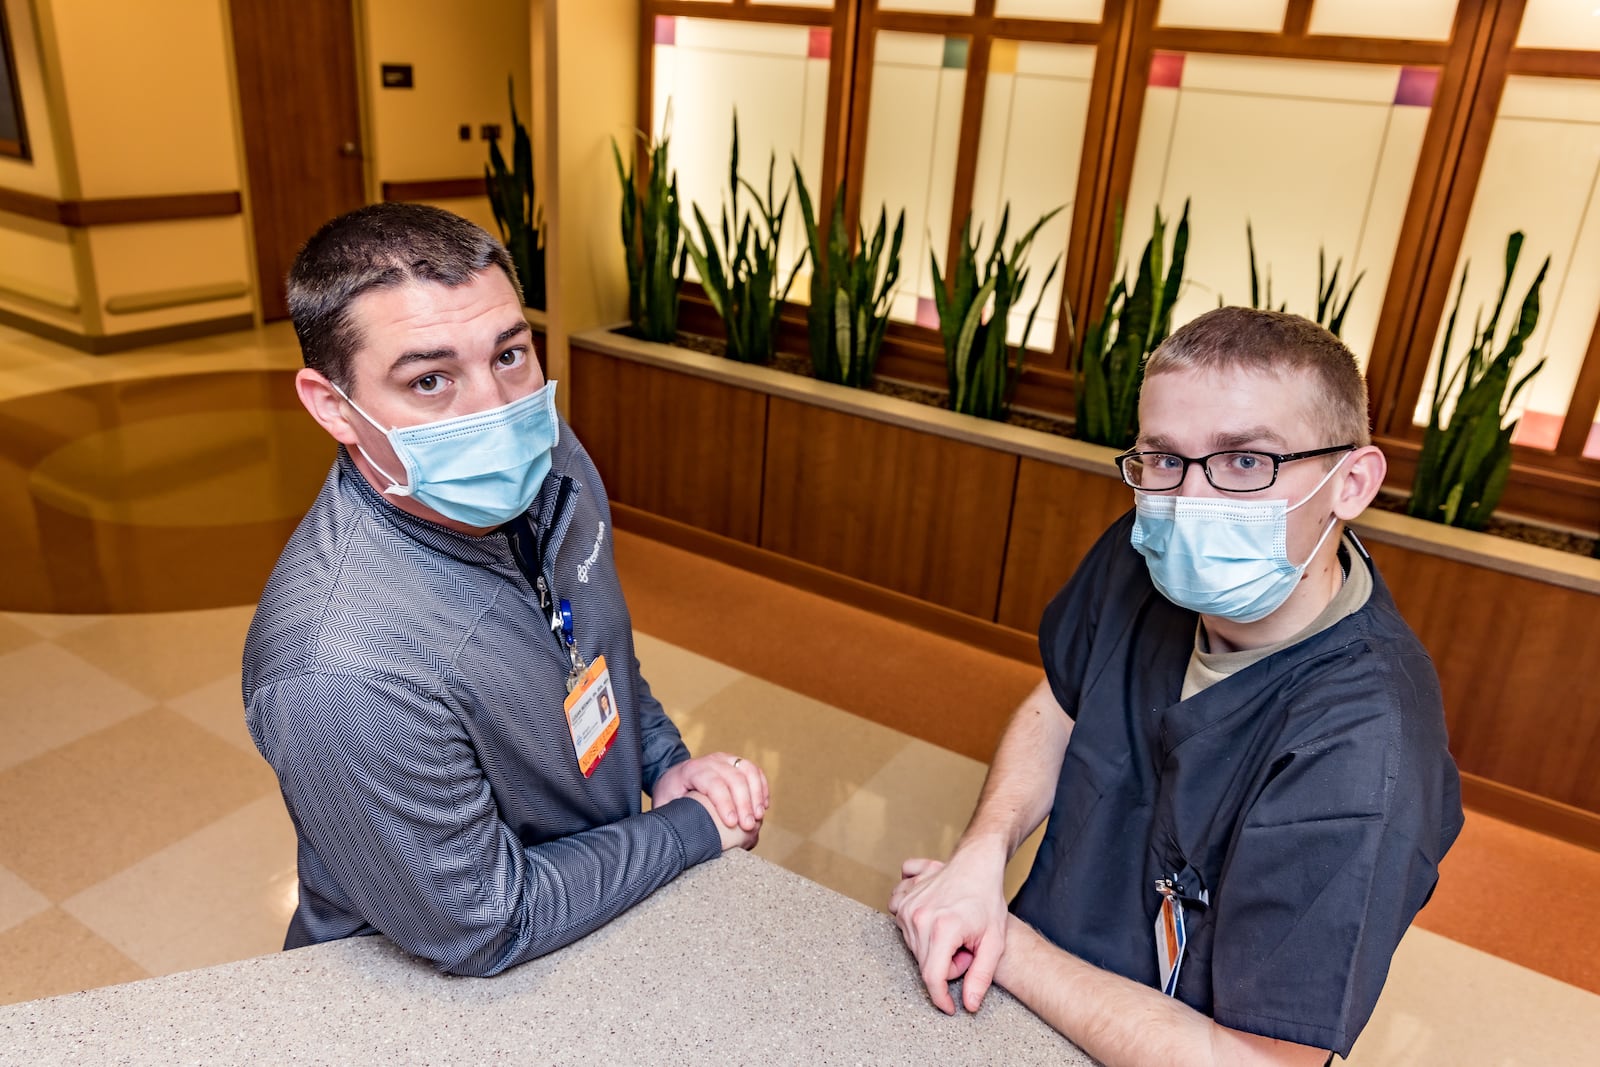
pixel 377 247
pixel 1273 341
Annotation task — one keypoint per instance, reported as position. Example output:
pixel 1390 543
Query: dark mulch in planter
pixel 1511 529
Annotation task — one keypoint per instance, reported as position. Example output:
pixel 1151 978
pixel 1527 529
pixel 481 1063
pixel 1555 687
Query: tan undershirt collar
pixel 1207 668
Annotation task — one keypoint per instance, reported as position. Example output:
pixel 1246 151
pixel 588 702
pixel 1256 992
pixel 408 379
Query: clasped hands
pixel 731 788
pixel 953 917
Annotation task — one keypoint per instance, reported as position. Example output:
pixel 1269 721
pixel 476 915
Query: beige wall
pixel 461 55
pixel 591 53
pixel 124 100
pixel 148 94
pixel 139 99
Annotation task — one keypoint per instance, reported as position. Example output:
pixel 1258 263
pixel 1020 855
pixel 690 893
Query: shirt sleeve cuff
pixel 696 829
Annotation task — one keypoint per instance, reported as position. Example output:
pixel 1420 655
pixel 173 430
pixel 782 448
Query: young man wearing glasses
pixel 1239 743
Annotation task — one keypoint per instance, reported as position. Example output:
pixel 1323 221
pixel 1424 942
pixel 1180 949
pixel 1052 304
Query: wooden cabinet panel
pixel 1059 513
pixel 681 447
pixel 1516 660
pixel 913 512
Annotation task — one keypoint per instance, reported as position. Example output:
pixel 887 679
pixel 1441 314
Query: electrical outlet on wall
pixel 465 131
pixel 489 131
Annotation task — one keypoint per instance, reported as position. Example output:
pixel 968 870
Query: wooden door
pixel 302 127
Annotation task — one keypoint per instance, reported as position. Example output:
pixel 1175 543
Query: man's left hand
pixel 736 788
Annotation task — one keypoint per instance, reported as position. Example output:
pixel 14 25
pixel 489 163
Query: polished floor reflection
pixel 160 494
pixel 141 834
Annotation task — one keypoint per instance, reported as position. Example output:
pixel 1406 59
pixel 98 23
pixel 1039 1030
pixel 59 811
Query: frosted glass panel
pixel 1201 139
pixel 1063 10
pixel 918 81
pixel 947 7
pixel 777 78
pixel 1035 111
pixel 1419 20
pixel 1560 24
pixel 1540 176
pixel 1263 15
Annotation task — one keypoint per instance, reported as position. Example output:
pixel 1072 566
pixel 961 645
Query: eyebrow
pixel 1222 442
pixel 405 359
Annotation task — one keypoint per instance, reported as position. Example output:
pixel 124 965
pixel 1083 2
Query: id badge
pixel 592 716
pixel 1170 938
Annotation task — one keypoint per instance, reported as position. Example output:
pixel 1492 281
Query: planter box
pixel 970 526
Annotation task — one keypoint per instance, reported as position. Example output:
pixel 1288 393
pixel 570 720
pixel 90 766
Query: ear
pixel 1364 471
pixel 325 404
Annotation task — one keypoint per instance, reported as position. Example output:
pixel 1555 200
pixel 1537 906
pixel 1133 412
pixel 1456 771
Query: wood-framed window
pixel 1390 136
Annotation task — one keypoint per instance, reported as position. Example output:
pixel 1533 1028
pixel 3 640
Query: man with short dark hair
pixel 1239 743
pixel 441 669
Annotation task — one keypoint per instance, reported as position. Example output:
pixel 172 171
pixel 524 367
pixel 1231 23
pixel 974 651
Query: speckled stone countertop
pixel 737 962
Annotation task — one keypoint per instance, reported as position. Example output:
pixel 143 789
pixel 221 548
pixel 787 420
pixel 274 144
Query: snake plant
pixel 652 242
pixel 981 368
pixel 516 209
pixel 741 278
pixel 850 290
pixel 1466 456
pixel 1109 368
pixel 1331 306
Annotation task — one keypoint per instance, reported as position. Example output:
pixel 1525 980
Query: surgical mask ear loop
pixel 1326 530
pixel 395 487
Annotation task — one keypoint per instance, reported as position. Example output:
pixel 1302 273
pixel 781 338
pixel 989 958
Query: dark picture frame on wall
pixel 13 128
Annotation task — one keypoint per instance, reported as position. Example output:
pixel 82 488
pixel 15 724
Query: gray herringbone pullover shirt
pixel 403 684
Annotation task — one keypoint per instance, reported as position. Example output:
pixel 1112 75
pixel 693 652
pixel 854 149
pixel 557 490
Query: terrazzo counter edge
pixel 738 961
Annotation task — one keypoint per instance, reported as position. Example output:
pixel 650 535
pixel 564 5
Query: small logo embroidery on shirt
pixel 583 568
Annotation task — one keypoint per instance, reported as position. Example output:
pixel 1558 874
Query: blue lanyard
pixel 562 622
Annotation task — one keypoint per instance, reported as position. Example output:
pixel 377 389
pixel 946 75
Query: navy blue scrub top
pixel 1310 796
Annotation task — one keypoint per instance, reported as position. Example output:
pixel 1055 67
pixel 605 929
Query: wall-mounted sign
pixel 13 130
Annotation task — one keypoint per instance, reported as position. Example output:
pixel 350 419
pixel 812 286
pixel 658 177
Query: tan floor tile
pixel 1022 860
pixel 223 893
pixel 167 654
pixel 1446 1003
pixel 76 815
pixel 680 679
pixel 53 953
pixel 917 804
pixel 19 901
pixel 54 697
pixel 14 635
pixel 777 844
pixel 53 625
pixel 218 707
pixel 842 874
pixel 815 756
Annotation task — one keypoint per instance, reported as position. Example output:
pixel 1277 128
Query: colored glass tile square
pixel 1003 57
pixel 955 53
pixel 820 45
pixel 666 29
pixel 1166 70
pixel 1417 86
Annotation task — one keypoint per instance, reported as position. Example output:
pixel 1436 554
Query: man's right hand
pixel 734 836
pixel 953 918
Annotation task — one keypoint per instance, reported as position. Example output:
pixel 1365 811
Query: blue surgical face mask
pixel 1223 557
pixel 481 469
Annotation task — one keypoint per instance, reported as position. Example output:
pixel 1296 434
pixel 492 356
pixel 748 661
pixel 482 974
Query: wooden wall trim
pixel 435 189
pixel 113 210
pixel 1530 811
pixel 103 344
pixel 979 633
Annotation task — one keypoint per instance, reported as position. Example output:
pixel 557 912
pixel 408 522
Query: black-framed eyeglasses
pixel 1232 471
